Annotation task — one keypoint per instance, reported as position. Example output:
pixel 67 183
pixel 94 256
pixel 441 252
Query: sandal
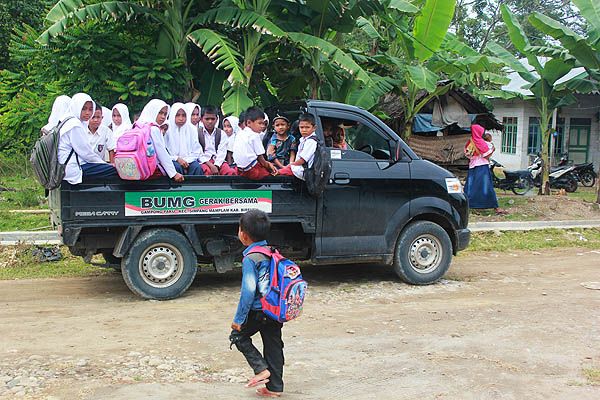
pixel 264 392
pixel 258 380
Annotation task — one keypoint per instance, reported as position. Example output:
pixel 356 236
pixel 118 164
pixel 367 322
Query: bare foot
pixel 264 392
pixel 259 379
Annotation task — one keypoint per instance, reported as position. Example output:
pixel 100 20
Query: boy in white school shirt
pixel 248 150
pixel 306 148
pixel 100 136
pixel 214 144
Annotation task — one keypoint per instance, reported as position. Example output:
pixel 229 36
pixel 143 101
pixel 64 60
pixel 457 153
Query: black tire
pixel 571 184
pixel 522 186
pixel 160 265
pixel 417 244
pixel 587 178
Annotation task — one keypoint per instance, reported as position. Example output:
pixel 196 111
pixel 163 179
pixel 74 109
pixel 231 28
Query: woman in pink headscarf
pixel 479 187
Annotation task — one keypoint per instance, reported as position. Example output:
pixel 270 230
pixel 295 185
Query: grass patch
pixel 17 262
pixel 20 188
pixel 534 240
pixel 592 375
pixel 23 222
pixel 585 194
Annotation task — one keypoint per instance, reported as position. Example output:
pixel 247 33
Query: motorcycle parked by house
pixel 563 178
pixel 584 173
pixel 520 181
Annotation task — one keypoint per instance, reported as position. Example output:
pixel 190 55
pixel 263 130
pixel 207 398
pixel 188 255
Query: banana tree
pixel 408 52
pixel 542 80
pixel 585 50
pixel 173 16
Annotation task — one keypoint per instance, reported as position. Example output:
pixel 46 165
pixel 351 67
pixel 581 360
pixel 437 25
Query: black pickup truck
pixel 381 204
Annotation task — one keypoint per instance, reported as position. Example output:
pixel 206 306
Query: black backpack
pixel 317 176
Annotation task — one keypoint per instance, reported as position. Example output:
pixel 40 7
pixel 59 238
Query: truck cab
pixel 381 204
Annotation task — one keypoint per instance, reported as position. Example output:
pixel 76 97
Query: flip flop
pixel 255 382
pixel 264 392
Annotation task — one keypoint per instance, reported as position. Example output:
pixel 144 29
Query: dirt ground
pixel 501 326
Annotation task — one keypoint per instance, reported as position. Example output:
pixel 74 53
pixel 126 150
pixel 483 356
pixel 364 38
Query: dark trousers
pixel 270 332
pixel 193 168
pixel 98 171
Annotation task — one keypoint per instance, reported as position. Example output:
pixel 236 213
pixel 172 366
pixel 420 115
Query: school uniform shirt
pixel 73 136
pixel 247 148
pixel 306 151
pixel 102 141
pixel 210 152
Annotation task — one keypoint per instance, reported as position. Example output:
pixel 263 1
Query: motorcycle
pixel 584 173
pixel 562 178
pixel 520 182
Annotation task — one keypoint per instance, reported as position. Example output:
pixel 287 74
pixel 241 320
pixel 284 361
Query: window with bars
pixel 509 135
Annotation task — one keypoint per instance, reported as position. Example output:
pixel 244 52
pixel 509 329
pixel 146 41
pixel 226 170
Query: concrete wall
pixel 588 107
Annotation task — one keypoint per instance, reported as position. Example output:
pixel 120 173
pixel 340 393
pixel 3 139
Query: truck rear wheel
pixel 160 265
pixel 423 253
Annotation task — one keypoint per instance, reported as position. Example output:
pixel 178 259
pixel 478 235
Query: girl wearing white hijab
pixel 156 112
pixel 74 149
pixel 230 127
pixel 106 117
pixel 182 142
pixel 120 119
pixel 59 108
pixel 193 112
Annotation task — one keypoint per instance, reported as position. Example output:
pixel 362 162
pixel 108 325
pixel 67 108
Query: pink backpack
pixel 135 158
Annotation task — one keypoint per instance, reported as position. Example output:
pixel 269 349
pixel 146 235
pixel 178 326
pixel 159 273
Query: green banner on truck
pixel 197 202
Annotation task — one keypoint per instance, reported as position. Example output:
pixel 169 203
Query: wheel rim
pixel 522 186
pixel 425 254
pixel 161 265
pixel 587 180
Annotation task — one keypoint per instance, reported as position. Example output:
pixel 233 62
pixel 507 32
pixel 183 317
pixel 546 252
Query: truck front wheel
pixel 423 253
pixel 160 265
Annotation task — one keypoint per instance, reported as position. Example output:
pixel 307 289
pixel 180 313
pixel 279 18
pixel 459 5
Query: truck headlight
pixel 453 185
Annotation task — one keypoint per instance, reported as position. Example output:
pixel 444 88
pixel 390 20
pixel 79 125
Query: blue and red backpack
pixel 285 296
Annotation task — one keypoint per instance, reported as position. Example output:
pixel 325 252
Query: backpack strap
pixel 201 138
pixel 60 125
pixel 217 139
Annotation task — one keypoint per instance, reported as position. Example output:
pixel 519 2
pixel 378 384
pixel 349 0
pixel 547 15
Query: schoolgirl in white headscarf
pixel 234 122
pixel 156 112
pixel 120 119
pixel 193 111
pixel 74 148
pixel 106 117
pixel 182 142
pixel 59 108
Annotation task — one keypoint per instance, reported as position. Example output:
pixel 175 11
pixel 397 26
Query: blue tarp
pixel 422 123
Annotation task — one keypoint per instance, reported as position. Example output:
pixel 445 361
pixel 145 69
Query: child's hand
pixel 182 162
pixel 236 327
pixel 178 177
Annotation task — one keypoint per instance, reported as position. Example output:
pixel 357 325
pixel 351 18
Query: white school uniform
pixel 148 115
pixel 73 136
pixel 247 148
pixel 101 141
pixel 182 141
pixel 59 108
pixel 235 124
pixel 306 151
pixel 126 124
pixel 210 152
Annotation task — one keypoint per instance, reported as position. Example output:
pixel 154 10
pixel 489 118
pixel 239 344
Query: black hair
pixel 254 113
pixel 306 117
pixel 255 224
pixel 242 117
pixel 98 106
pixel 209 110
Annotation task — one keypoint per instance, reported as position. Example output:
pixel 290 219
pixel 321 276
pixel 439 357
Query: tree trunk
pixel 407 132
pixel 598 190
pixel 545 116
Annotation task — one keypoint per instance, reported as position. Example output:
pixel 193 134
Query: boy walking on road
pixel 249 318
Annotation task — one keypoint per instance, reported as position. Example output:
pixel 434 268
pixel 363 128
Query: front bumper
pixel 463 237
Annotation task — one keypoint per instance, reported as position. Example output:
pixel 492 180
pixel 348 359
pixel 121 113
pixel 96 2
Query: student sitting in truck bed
pixel 74 149
pixel 182 142
pixel 248 150
pixel 101 138
pixel 214 144
pixel 282 145
pixel 156 112
pixel 306 148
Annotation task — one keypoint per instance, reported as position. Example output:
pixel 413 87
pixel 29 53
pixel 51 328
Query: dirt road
pixel 502 326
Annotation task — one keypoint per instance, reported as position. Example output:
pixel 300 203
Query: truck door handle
pixel 341 178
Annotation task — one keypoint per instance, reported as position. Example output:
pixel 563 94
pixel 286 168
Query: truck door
pixel 368 185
